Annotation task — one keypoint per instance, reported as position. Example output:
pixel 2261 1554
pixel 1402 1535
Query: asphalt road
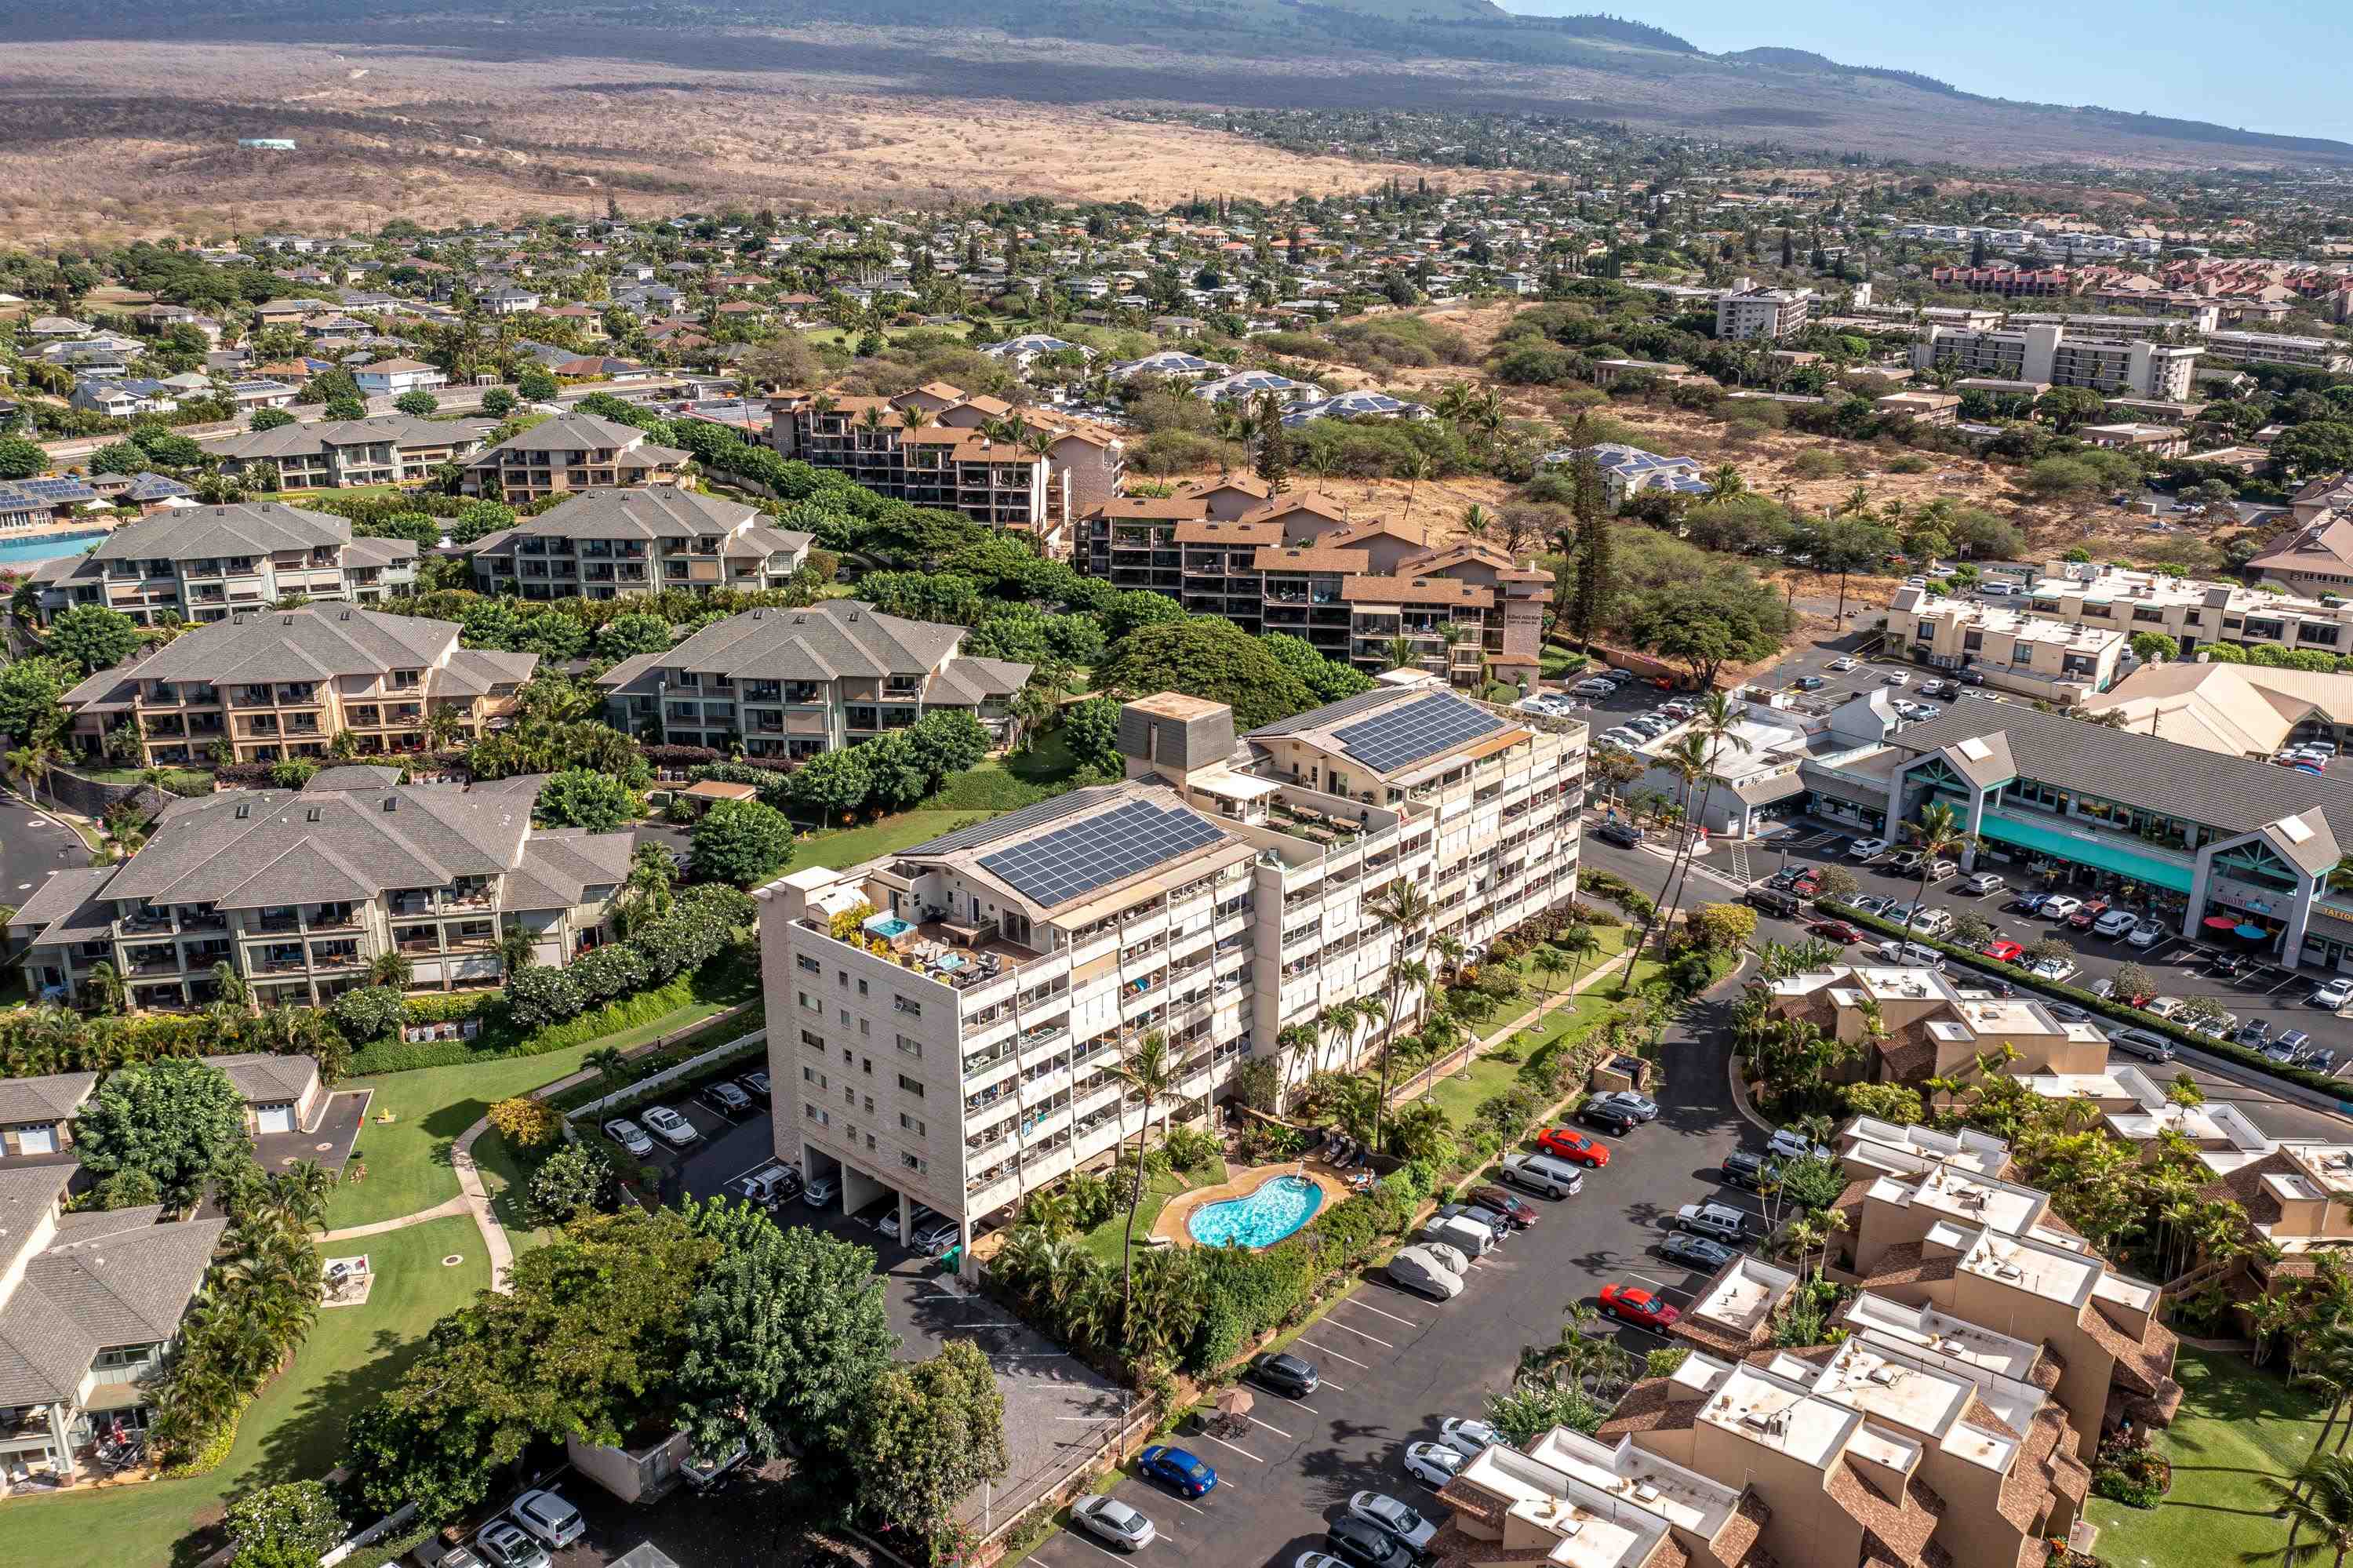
pixel 32 846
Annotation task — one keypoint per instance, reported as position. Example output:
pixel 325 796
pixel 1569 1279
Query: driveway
pixel 32 846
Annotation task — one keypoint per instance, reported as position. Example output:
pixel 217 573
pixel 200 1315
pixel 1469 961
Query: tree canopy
pixel 1206 657
pixel 178 1119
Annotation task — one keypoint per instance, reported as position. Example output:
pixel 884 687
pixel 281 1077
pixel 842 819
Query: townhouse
pixel 939 446
pixel 1299 565
pixel 619 543
pixel 267 686
pixel 2052 661
pixel 388 448
pixel 2053 355
pixel 946 1016
pixel 2195 836
pixel 300 892
pixel 571 451
pixel 790 683
pixel 205 563
pixel 1911 1024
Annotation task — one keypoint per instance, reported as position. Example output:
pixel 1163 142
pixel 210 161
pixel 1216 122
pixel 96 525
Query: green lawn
pixel 506 1172
pixel 2237 1423
pixel 1460 1096
pixel 295 1430
pixel 839 847
pixel 1105 1240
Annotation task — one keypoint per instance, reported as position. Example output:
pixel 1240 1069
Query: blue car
pixel 1175 1468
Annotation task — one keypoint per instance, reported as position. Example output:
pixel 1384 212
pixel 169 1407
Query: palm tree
pixel 1292 1042
pixel 517 948
pixel 1148 1072
pixel 229 985
pixel 1476 521
pixel 1551 965
pixel 31 763
pixel 1404 908
pixel 1939 833
pixel 299 1193
pixel 1725 483
pixel 2327 1366
pixel 105 987
pixel 1032 707
pixel 2324 1510
pixel 1340 1019
pixel 1402 653
pixel 1580 943
pixel 610 1064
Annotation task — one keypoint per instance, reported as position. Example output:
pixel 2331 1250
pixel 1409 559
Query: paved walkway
pixel 473 1195
pixel 438 1212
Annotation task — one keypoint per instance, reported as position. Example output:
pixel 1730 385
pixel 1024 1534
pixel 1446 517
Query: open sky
pixel 2255 65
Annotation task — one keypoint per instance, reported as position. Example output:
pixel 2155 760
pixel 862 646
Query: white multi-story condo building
pixel 2328 354
pixel 1769 313
pixel 2054 356
pixel 943 1020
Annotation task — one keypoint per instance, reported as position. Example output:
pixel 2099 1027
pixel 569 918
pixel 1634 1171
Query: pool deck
pixel 1170 1226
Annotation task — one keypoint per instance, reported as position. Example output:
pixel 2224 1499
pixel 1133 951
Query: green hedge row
pixel 2132 1016
pixel 500 1038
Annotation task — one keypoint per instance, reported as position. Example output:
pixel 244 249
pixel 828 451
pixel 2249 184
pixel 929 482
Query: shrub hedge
pixel 2132 1016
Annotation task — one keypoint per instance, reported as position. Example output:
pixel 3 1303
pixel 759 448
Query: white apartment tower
pixel 1769 314
pixel 943 1020
pixel 2050 355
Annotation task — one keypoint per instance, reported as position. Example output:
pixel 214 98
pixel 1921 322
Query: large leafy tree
pixel 29 690
pixel 1203 656
pixel 786 1333
pixel 582 797
pixel 924 1435
pixel 93 637
pixel 740 841
pixel 1707 625
pixel 178 1119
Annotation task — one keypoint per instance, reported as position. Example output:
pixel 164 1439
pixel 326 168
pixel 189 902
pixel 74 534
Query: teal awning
pixel 2091 851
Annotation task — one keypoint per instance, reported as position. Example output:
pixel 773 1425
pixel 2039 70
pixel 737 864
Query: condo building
pixel 390 448
pixel 2053 660
pixel 300 892
pixel 947 1017
pixel 571 451
pixel 1928 1027
pixel 2193 611
pixel 619 543
pixel 205 563
pixel 1759 313
pixel 2052 356
pixel 273 684
pixel 794 683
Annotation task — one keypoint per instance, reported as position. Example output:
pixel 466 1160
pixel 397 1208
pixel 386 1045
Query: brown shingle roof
pixel 1309 558
pixel 1645 1408
pixel 1413 590
pixel 1209 531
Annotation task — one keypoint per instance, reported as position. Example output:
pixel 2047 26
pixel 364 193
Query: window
pixel 911 1047
pixel 911 1086
pixel 865 1066
pixel 912 1124
pixel 809 964
pixel 861 988
pixel 848 1096
pixel 809 1002
pixel 870 1143
pixel 821 1117
pixel 908 1160
pixel 870 1104
pixel 841 976
pixel 812 1040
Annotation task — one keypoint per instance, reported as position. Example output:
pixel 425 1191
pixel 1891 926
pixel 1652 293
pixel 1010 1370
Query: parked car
pixel 1422 1270
pixel 2089 915
pixel 502 1545
pixel 674 1128
pixel 1744 1170
pixel 1843 663
pixel 2321 1062
pixel 2053 970
pixel 1837 931
pixel 2066 1012
pixel 934 1238
pixel 1468 1435
pixel 1936 688
pixel 2331 994
pixel 2254 1035
pixel 2163 1006
pixel 756 1086
pixel 2059 906
pixel 820 1192
pixel 1717 1221
pixel 1432 1464
pixel 2147 934
pixel 1543 1173
pixel 1177 1470
pixel 1930 922
pixel 1809 682
pixel 2115 923
pixel 1787 1145
pixel 1285 1374
pixel 1364 1544
pixel 1113 1524
pixel 2003 950
pixel 2028 903
pixel 1567 1143
pixel 549 1519
pixel 1644 1106
pixel 2145 1043
pixel 1632 1304
pixel 1696 1252
pixel 1401 1520
pixel 1897 678
pixel 1519 1211
pixel 729 1099
pixel 2298 1042
pixel 1983 883
pixel 1611 1117
pixel 629 1136
pixel 1623 834
pixel 1874 903
pixel 1863 849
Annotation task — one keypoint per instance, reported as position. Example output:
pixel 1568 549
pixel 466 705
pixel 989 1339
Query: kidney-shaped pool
pixel 1279 1206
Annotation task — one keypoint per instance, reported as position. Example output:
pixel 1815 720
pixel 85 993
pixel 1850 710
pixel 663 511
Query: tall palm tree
pixel 1293 1042
pixel 1938 834
pixel 1402 653
pixel 610 1064
pixel 1580 943
pixel 2319 1501
pixel 1149 1073
pixel 517 948
pixel 1476 521
pixel 1340 1021
pixel 1551 964
pixel 1404 908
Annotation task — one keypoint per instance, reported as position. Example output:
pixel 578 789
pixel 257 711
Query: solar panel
pixel 1417 730
pixel 55 488
pixel 1070 862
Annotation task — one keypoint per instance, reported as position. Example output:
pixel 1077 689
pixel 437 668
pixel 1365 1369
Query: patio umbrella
pixel 2253 933
pixel 2220 923
pixel 1234 1402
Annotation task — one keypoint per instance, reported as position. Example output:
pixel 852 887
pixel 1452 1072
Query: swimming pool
pixel 1257 1218
pixel 47 547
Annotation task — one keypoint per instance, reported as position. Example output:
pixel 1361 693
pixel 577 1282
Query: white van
pixel 1543 1173
pixel 1467 1236
pixel 1415 1268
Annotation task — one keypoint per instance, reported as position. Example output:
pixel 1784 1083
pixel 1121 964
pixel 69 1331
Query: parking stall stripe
pixel 1354 1330
pixel 1276 1430
pixel 1245 1453
pixel 1377 1312
pixel 1335 1354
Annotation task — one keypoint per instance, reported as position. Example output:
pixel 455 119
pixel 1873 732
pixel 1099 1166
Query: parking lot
pixel 1055 1408
pixel 1393 1365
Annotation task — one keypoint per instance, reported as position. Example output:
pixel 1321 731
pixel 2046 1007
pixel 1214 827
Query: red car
pixel 1808 884
pixel 1835 931
pixel 1632 1304
pixel 1567 1143
pixel 2006 952
pixel 2082 919
pixel 1521 1214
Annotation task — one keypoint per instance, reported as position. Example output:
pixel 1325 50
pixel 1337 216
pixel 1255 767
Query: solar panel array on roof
pixel 55 489
pixel 1414 731
pixel 1072 861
